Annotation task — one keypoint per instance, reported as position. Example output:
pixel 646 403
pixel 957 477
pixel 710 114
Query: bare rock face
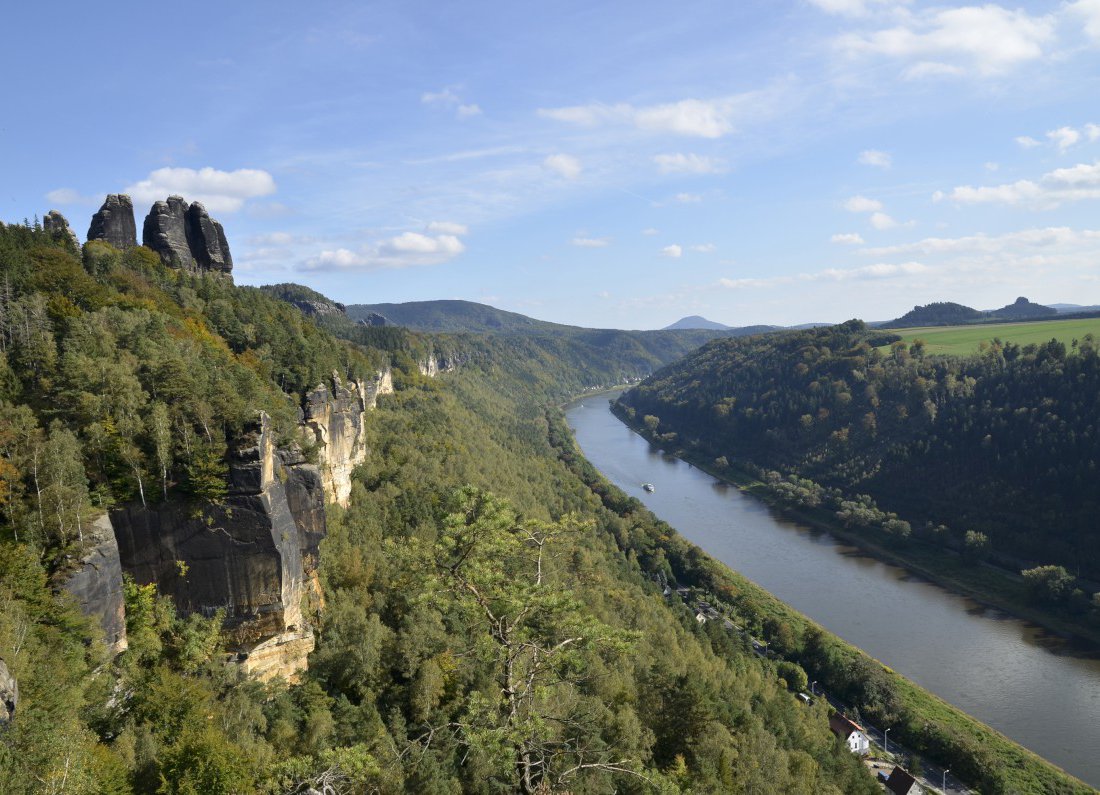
pixel 56 224
pixel 185 236
pixel 97 583
pixel 244 557
pixel 336 419
pixel 165 232
pixel 209 248
pixel 9 694
pixel 114 223
pixel 433 365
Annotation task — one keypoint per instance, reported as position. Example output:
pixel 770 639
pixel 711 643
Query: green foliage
pixel 1002 444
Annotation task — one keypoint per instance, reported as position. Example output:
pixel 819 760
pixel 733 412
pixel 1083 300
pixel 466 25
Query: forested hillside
pixel 487 624
pixel 993 455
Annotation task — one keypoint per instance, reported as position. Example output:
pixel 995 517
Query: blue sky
pixel 603 164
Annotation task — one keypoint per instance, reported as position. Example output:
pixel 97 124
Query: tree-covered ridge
pixel 994 454
pixel 469 643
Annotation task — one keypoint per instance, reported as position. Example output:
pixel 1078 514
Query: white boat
pixel 649 487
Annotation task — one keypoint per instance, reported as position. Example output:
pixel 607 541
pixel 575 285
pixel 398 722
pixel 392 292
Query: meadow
pixel 966 340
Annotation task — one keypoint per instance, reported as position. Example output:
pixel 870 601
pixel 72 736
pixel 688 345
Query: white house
pixel 851 734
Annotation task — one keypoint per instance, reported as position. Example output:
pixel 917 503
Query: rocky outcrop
pixel 373 319
pixel 185 236
pixel 255 556
pixel 165 232
pixel 209 248
pixel 251 557
pixel 9 694
pixel 319 308
pixel 433 365
pixel 114 223
pixel 333 419
pixel 96 583
pixel 57 225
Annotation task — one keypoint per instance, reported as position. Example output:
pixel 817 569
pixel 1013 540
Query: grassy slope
pixel 965 340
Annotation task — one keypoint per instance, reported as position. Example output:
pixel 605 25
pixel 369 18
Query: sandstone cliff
pixel 185 236
pixel 255 556
pixel 58 225
pixel 114 223
pixel 334 419
pixel 97 583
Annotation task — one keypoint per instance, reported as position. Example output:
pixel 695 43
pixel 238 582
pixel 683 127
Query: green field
pixel 965 340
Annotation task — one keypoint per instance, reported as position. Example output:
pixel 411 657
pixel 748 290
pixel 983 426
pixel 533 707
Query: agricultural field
pixel 966 340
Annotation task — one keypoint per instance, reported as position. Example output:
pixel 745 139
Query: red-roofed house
pixel 851 734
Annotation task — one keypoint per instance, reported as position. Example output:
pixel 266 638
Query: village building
pixel 901 782
pixel 850 733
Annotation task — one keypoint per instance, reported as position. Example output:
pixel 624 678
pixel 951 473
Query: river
pixel 1008 673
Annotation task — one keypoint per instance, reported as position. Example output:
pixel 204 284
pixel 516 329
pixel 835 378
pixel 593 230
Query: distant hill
pixel 696 321
pixel 946 313
pixel 455 317
pixel 1073 309
pixel 1022 309
pixel 939 313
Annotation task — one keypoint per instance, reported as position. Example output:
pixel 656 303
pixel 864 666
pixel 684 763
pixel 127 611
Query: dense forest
pixel 490 624
pixel 993 456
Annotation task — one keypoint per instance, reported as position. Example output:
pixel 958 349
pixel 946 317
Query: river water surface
pixel 1005 672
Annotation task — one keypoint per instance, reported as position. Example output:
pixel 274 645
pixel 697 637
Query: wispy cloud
pixel 876 158
pixel 848 239
pixel 406 250
pixel 673 251
pixel 1052 189
pixel 983 40
pixel 861 204
pixel 563 165
pixel 880 270
pixel 448 97
pixel 680 163
pixel 72 196
pixel 590 242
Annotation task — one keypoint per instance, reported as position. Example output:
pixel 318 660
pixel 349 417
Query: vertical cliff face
pixel 185 236
pixel 97 583
pixel 114 223
pixel 255 556
pixel 334 418
pixel 58 225
pixel 245 557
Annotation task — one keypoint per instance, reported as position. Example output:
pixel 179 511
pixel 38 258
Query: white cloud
pixel 861 204
pixel 1092 131
pixel 449 98
pixel 674 251
pixel 881 270
pixel 992 166
pixel 986 40
pixel 564 165
pixel 1089 12
pixel 447 228
pixel 72 196
pixel 687 198
pixel 1027 142
pixel 1057 238
pixel 882 221
pixel 680 163
pixel 650 232
pixel 1075 183
pixel 1064 137
pixel 704 248
pixel 219 191
pixel 590 242
pixel 409 249
pixel 848 239
pixel 874 157
pixel 697 118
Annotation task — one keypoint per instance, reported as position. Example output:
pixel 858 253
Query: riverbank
pixel 983 583
pixel 984 757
